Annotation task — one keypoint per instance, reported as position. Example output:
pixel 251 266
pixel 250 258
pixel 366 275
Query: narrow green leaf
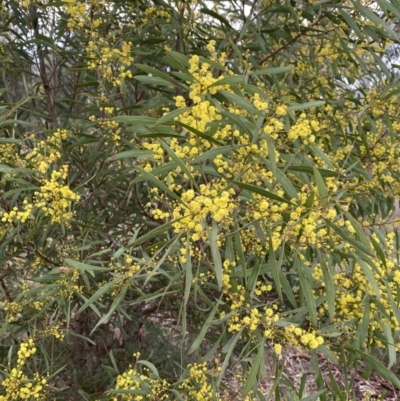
pixel 314 396
pixel 359 231
pixel 217 16
pixel 150 366
pixel 177 60
pixel 310 170
pixel 356 244
pixel 273 70
pixel 241 101
pixel 383 4
pixel 228 350
pixel 378 251
pixel 286 184
pixel 179 163
pixel 239 249
pixel 256 367
pixel 150 177
pixel 368 274
pixel 395 307
pixel 243 124
pixel 135 153
pixel 86 267
pixel 271 154
pixel 149 80
pixel 287 288
pixel 307 291
pixel 216 254
pixel 329 286
pixel 201 135
pixel 158 231
pixel 341 396
pixel 323 193
pixel 15 170
pixel 275 269
pixel 233 80
pixel 10 140
pixel 352 24
pixel 362 330
pixel 203 331
pixel 157 73
pixel 260 191
pixel 329 354
pixel 172 115
pixel 212 153
pixel 163 169
pixel 80 336
pixel 277 380
pixel 319 380
pixel 188 275
pixel 322 155
pixel 369 14
pixel 136 120
pixel 87 83
pixel 117 301
pixel 305 106
pixel 390 343
pixel 99 293
pixel 18 122
pixel 376 365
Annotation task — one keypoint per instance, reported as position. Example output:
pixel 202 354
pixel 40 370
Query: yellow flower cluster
pixel 198 117
pixel 26 350
pixel 17 385
pixel 54 330
pixel 241 162
pixel 154 12
pixel 197 386
pixel 108 125
pixel 243 316
pixel 9 155
pixel 19 215
pixel 214 55
pixel 299 337
pixel 130 268
pixel 352 286
pixel 109 61
pixel 123 273
pixel 55 199
pixel 304 129
pixel 13 310
pixel 47 152
pixel 78 15
pixel 203 76
pixel 273 127
pixel 69 284
pixel 218 206
pixel 133 379
pixel 380 159
pixel 260 104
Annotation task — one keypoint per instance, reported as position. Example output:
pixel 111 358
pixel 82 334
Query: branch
pixel 42 69
pixel 8 295
pixel 287 44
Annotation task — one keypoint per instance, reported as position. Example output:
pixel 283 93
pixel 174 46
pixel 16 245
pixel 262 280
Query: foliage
pixel 187 187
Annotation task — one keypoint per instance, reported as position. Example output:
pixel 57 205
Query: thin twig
pixel 287 44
